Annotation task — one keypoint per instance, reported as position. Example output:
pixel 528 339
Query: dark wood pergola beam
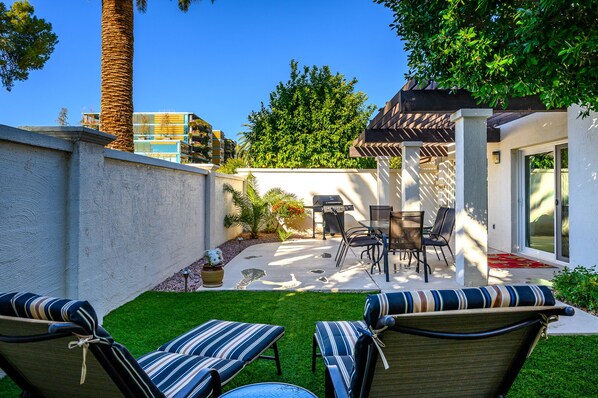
pixel 446 101
pixel 374 136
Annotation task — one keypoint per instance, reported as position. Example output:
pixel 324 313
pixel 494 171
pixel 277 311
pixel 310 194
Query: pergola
pixel 422 122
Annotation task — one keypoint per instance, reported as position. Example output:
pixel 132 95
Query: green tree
pixel 116 100
pixel 498 50
pixel 310 121
pixel 26 42
pixel 63 117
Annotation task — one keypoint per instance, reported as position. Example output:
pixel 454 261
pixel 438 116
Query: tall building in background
pixel 180 137
pixel 222 148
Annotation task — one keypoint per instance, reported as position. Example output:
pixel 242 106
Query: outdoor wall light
pixel 186 276
pixel 496 157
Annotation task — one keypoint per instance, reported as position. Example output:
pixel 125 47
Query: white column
pixel 210 207
pixel 471 196
pixel 410 198
pixel 383 174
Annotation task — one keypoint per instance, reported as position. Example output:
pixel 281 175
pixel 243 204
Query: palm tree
pixel 116 103
pixel 254 211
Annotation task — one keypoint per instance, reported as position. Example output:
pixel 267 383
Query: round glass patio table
pixel 269 390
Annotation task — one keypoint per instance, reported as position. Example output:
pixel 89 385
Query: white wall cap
pixel 405 144
pixel 73 133
pixel 478 112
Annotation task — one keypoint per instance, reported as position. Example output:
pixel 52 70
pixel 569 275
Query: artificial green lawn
pixel 559 367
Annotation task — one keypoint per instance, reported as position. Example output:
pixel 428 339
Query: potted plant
pixel 212 272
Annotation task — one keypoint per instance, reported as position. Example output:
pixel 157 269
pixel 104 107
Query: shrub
pixel 578 286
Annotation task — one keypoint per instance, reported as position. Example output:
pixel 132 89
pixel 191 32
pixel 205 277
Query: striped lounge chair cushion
pixel 176 375
pixel 378 305
pixel 337 338
pixel 345 364
pixel 226 340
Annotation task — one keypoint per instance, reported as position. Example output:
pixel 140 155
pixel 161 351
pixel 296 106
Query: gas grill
pixel 325 204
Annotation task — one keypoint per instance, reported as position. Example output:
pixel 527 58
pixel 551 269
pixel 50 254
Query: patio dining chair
pixel 54 347
pixel 357 237
pixel 469 342
pixel 380 212
pixel 442 238
pixel 405 235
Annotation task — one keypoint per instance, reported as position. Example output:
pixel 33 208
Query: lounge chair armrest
pixel 333 375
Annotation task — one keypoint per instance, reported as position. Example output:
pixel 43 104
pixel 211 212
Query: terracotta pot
pixel 212 276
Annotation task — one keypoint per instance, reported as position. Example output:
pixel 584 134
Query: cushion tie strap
pixel 543 333
pixel 373 333
pixel 83 342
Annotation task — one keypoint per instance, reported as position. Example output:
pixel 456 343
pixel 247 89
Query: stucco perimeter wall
pixel 84 222
pixel 583 188
pixel 223 205
pixel 356 187
pixel 33 191
pixel 153 221
pixel 503 178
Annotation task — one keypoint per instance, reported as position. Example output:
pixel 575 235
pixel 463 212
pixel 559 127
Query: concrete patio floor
pixel 308 265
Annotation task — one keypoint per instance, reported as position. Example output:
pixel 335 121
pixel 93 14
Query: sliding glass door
pixel 545 200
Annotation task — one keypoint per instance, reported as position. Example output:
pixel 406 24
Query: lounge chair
pixel 55 348
pixel 469 342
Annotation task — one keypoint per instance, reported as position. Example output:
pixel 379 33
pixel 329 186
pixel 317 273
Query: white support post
pixel 471 196
pixel 210 206
pixel 410 197
pixel 383 174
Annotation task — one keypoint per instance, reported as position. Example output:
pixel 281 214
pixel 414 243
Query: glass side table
pixel 269 390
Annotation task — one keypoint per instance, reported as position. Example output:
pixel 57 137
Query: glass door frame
pixel 558 193
pixel 521 202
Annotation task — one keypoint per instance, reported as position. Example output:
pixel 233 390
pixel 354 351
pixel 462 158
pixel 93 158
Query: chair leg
pixel 445 261
pixel 436 251
pixel 426 266
pixel 340 245
pixel 450 251
pixel 313 354
pixel 277 358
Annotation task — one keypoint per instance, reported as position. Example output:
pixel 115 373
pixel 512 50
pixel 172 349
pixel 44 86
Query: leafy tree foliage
pixel 502 49
pixel 26 42
pixel 310 121
pixel 63 117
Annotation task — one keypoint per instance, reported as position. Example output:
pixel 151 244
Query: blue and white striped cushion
pixel 338 337
pixel 378 305
pixel 345 364
pixel 176 375
pixel 226 340
pixel 33 306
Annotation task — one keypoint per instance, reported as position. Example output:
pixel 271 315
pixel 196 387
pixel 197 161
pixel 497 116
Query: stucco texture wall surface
pixel 153 225
pixel 33 189
pixel 223 206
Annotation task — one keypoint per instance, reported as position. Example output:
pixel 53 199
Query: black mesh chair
pixel 380 212
pixel 435 229
pixel 355 237
pixel 405 234
pixel 443 237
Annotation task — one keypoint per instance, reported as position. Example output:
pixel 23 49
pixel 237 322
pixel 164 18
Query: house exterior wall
pixel 583 184
pixel 503 179
pixel 223 206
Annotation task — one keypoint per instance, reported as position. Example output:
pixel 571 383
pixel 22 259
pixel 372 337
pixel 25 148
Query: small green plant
pixel 283 234
pixel 578 286
pixel 254 210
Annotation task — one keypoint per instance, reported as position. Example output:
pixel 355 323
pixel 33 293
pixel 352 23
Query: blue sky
pixel 217 60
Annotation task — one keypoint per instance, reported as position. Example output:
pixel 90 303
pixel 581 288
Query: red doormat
pixel 512 261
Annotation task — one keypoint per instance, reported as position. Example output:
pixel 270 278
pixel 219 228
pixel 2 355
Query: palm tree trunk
pixel 116 103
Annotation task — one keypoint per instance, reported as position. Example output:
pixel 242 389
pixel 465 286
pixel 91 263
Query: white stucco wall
pixel 223 205
pixel 153 225
pixel 583 188
pixel 33 189
pixel 84 222
pixel 356 187
pixel 535 129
